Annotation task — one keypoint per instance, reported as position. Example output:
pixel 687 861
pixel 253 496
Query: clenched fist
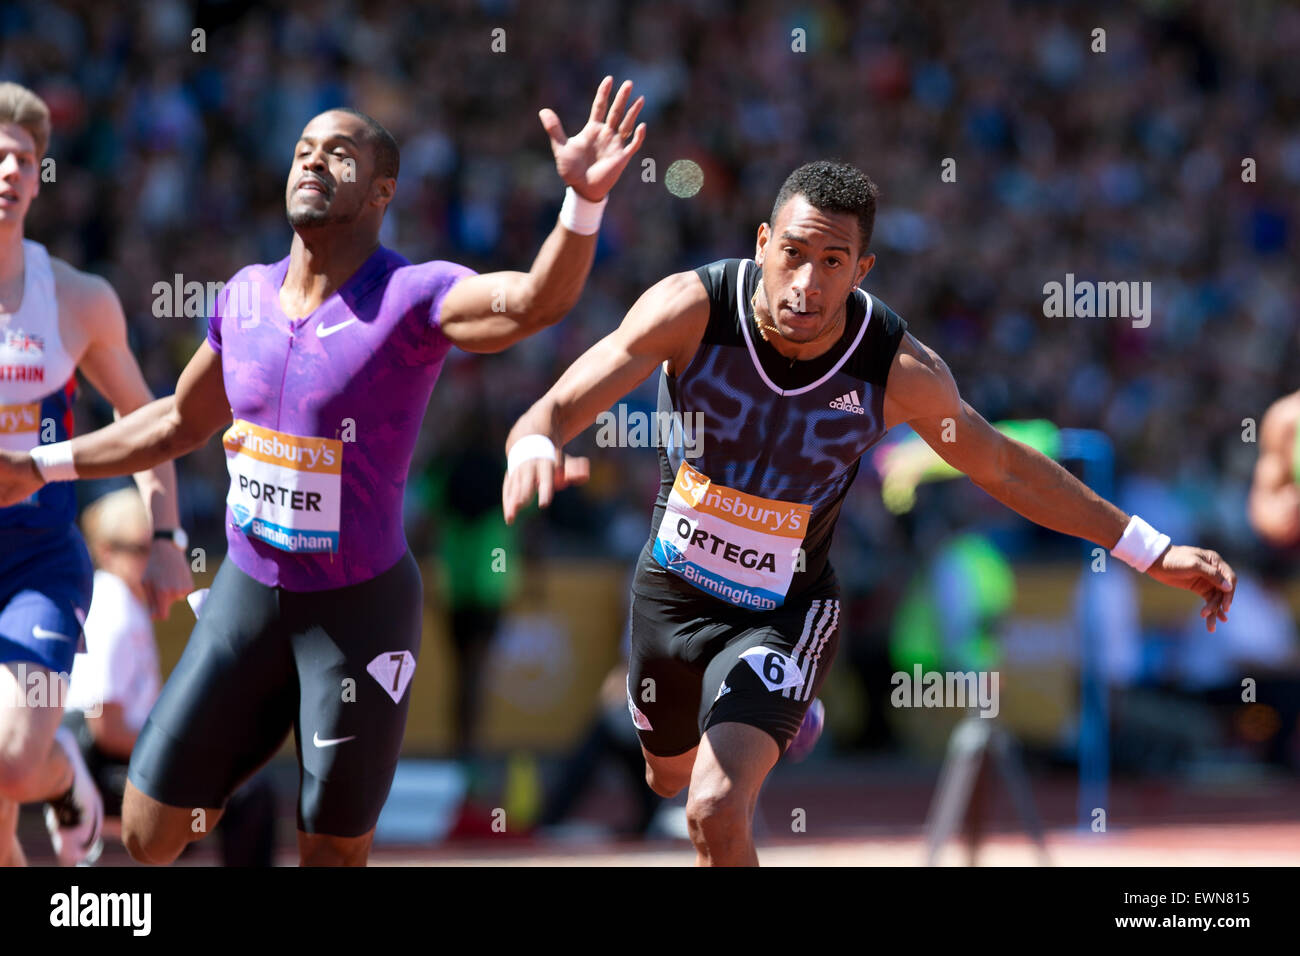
pixel 19 478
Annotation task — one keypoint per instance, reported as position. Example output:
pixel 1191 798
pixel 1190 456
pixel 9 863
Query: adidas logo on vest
pixel 849 402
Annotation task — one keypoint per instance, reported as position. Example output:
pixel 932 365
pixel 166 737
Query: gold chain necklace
pixel 762 329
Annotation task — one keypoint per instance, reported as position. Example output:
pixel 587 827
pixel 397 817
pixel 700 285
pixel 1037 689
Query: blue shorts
pixel 45 582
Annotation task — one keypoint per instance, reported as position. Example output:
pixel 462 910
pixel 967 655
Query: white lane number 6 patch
pixel 773 668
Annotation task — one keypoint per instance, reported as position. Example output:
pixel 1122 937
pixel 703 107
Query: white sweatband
pixel 54 462
pixel 1140 544
pixel 581 215
pixel 530 446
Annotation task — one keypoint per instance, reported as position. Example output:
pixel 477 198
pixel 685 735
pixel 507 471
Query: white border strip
pixel 805 692
pixel 741 276
pixel 813 610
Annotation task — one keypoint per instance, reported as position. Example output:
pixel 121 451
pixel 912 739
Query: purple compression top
pixel 326 411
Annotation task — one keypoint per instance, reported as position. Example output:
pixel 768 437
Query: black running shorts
pixel 334 666
pixel 696 661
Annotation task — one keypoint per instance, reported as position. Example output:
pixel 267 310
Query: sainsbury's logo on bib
pixel 24 420
pixel 760 514
pixel 320 455
pixel 20 427
pixel 285 490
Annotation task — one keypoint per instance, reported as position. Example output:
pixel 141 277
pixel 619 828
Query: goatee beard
pixel 309 218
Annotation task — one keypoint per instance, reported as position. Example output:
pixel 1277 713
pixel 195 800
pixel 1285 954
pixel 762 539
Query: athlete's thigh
pixel 31 706
pixel 769 673
pixel 355 649
pixel 664 671
pixel 228 705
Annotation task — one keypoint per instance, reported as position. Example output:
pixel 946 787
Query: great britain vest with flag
pixel 37 385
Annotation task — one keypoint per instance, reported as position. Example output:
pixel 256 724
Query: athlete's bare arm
pixel 1274 495
pixel 921 392
pixel 664 326
pixel 94 318
pixel 488 312
pixel 164 429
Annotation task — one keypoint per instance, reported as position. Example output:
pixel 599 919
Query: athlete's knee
pixel 13 777
pixel 717 814
pixel 149 844
pixel 143 851
pixel 664 782
pixel 20 768
pixel 156 833
pixel 26 746
pixel 317 849
pixel 668 776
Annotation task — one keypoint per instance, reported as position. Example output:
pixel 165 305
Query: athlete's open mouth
pixel 311 184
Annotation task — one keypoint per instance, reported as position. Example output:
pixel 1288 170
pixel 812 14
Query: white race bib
pixel 284 489
pixel 735 546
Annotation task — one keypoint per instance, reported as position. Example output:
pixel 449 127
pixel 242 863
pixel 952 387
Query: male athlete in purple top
pixel 356 375
pixel 325 362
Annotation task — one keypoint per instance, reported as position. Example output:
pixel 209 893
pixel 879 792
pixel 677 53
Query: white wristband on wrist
pixel 54 462
pixel 581 215
pixel 528 447
pixel 1140 544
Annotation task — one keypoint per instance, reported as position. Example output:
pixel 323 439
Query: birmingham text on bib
pixel 735 546
pixel 284 489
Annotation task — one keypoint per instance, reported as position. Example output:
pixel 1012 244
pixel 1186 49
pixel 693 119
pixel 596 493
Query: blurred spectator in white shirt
pixel 118 676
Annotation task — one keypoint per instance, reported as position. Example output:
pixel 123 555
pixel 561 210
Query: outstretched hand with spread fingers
pixel 592 160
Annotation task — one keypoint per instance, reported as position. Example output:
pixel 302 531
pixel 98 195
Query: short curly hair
pixel 832 186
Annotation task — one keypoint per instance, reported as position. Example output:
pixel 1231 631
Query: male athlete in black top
pixel 797 373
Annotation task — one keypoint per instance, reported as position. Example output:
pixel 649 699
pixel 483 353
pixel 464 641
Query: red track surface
pixel 859 814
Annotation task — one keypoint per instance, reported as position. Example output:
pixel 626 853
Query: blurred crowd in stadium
pixel 1122 165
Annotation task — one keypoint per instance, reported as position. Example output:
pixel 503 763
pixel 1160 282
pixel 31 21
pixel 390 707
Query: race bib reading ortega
pixel 732 545
pixel 284 489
